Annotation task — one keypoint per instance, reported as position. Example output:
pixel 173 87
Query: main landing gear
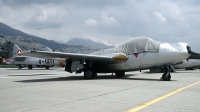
pixel 120 74
pixel 166 76
pixel 30 67
pixel 89 74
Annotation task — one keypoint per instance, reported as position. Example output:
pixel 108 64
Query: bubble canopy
pixel 138 45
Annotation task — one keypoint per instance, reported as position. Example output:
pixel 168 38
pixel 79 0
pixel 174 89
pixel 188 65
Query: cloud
pixel 109 21
pixel 91 22
pixel 160 16
pixel 106 20
pixel 48 16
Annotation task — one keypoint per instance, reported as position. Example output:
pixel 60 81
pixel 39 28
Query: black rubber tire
pixel 120 74
pixel 89 74
pixel 47 67
pixel 30 67
pixel 168 78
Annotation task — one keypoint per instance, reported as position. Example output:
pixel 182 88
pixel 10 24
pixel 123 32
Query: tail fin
pixel 4 61
pixel 16 50
pixel 47 49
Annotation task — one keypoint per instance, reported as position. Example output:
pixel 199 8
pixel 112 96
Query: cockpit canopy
pixel 138 45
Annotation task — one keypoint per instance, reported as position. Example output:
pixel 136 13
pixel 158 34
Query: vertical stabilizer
pixel 16 50
pixel 47 49
pixel 4 61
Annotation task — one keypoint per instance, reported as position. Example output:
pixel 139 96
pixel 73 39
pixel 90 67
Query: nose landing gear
pixel 166 76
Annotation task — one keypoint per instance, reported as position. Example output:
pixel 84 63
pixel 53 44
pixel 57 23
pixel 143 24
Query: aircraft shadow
pixel 171 72
pixel 29 69
pixel 32 75
pixel 81 78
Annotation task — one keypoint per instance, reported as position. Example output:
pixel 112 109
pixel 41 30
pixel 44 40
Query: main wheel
pixel 120 74
pixel 89 74
pixel 47 67
pixel 30 67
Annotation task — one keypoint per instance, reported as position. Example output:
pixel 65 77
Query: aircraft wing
pixel 76 56
pixel 193 55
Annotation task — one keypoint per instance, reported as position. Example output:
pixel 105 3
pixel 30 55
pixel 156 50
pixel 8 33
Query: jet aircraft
pixel 22 61
pixel 191 63
pixel 138 53
pixel 188 64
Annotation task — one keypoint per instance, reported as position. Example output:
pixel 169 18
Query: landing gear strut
pixel 166 76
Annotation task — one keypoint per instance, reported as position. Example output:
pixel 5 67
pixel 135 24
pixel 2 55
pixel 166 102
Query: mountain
pixel 86 42
pixel 8 31
pixel 9 36
pixel 7 42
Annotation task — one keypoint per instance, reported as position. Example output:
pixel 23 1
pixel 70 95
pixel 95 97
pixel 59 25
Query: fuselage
pixel 35 61
pixel 167 54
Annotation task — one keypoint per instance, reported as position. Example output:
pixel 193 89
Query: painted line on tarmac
pixel 150 102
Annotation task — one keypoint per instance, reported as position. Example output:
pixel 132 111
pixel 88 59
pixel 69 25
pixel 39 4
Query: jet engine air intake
pixel 120 58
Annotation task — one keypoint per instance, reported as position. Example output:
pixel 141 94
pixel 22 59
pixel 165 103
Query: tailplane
pixel 16 50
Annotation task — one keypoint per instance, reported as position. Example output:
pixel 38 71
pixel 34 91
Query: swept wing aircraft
pixel 190 63
pixel 31 62
pixel 138 53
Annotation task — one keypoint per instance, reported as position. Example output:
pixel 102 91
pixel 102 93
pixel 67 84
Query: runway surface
pixel 41 90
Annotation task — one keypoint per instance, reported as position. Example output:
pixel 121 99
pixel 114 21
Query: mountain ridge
pixel 87 42
pixel 9 31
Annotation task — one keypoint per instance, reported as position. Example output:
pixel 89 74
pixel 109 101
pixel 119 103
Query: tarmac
pixel 54 90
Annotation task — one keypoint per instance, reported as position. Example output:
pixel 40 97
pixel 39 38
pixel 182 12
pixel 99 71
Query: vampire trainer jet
pixel 22 61
pixel 135 54
pixel 190 63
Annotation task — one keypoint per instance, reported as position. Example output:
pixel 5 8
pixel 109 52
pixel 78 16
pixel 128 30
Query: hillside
pixel 6 46
pixel 86 42
pixel 9 36
pixel 9 31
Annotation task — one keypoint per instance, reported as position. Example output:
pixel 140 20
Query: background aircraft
pixel 191 63
pixel 135 54
pixel 23 61
pixel 188 64
pixel 7 61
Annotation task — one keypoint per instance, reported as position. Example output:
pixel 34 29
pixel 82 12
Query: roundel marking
pixel 19 51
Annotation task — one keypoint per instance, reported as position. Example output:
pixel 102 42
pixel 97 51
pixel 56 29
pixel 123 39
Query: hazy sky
pixel 108 21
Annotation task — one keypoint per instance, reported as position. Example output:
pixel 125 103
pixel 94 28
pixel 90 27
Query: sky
pixel 107 21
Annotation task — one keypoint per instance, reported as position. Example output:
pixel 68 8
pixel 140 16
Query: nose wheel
pixel 166 76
